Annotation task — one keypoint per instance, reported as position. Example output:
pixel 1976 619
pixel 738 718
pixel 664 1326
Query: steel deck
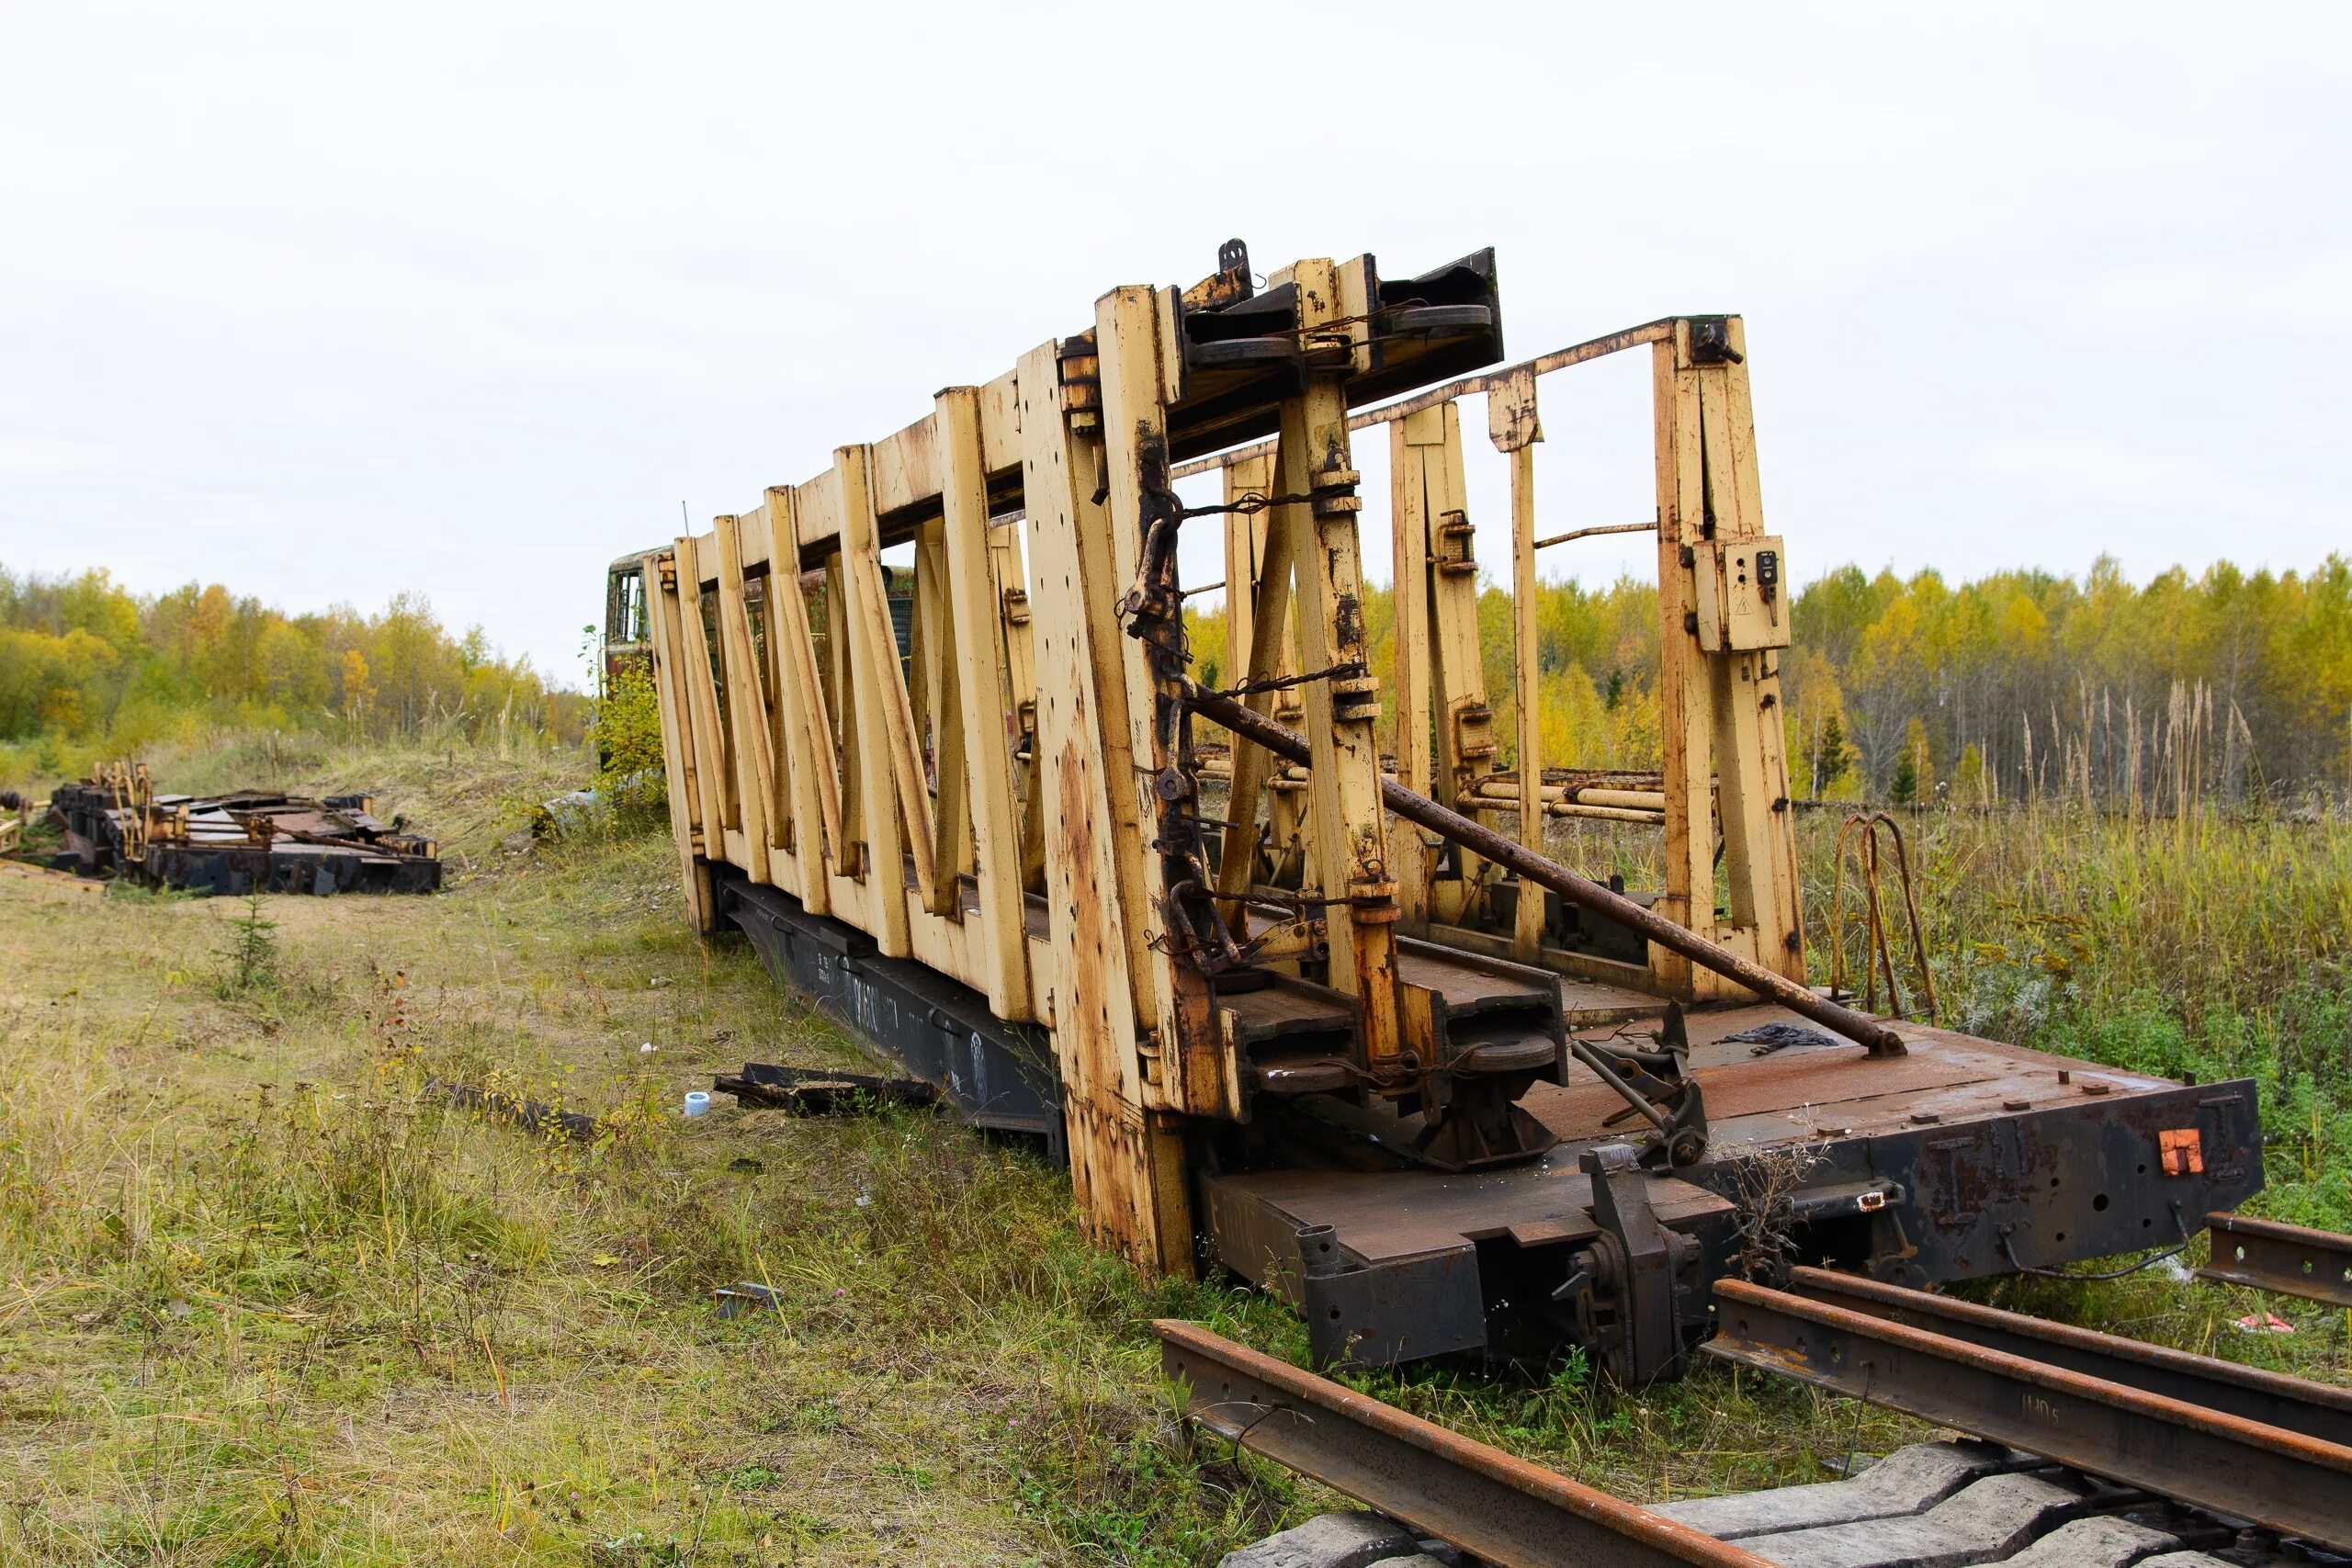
pixel 1961 1159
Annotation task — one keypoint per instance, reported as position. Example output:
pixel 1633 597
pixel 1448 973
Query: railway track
pixel 2076 1450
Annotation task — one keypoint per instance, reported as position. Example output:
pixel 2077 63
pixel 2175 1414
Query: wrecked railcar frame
pixel 1350 1031
pixel 245 841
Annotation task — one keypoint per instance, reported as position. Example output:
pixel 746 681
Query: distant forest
pixel 88 667
pixel 2226 687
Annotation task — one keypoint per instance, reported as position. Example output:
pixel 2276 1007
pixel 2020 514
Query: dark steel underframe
pixel 994 1074
pixel 1933 1204
pixel 2236 1467
pixel 1958 1199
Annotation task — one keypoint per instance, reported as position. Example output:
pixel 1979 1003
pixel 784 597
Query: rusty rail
pixel 2290 1260
pixel 2245 1469
pixel 2316 1410
pixel 1501 1509
pixel 1288 744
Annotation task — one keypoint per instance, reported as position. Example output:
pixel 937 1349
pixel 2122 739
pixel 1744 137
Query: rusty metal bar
pixel 1501 1509
pixel 1288 744
pixel 1574 534
pixel 1466 386
pixel 2284 1480
pixel 2290 1260
pixel 2316 1410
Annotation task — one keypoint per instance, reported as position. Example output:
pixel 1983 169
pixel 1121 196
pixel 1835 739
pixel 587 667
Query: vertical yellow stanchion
pixel 1511 422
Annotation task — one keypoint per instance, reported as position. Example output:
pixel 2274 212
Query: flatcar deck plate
pixel 1811 1092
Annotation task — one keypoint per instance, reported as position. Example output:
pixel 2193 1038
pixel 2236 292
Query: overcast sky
pixel 467 299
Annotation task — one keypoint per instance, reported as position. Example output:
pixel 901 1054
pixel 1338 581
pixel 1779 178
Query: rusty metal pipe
pixel 1287 743
pixel 1574 534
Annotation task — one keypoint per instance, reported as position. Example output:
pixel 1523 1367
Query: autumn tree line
pixel 87 666
pixel 2225 688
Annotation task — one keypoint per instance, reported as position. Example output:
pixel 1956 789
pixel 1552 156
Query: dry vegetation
pixel 260 1302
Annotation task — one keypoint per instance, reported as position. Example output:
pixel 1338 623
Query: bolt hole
pixel 2098 1204
pixel 1335 1314
pixel 2062 1235
pixel 2054 1184
pixel 2143 1167
pixel 2307 1265
pixel 2238 1254
pixel 2146 1223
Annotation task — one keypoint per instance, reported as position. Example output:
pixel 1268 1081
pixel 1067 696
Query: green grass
pixel 2219 948
pixel 261 1303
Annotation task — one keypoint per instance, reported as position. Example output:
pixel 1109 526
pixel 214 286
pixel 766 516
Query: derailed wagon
pixel 1292 1007
pixel 243 841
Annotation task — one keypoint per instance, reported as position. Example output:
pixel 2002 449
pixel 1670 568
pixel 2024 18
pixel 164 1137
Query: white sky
pixel 466 300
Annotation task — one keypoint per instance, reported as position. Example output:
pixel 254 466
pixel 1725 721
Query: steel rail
pixel 2286 1480
pixel 2316 1410
pixel 1659 331
pixel 2290 1260
pixel 1488 1503
pixel 1287 743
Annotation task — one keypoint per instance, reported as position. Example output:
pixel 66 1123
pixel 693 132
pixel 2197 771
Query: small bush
pixel 249 959
pixel 627 733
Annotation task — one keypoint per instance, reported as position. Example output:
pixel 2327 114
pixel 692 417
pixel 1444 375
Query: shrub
pixel 627 730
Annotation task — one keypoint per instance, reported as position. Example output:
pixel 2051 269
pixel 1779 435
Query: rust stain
pixel 1084 954
pixel 1347 624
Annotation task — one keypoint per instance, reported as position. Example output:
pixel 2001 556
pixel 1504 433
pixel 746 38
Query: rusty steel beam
pixel 1501 1509
pixel 1285 742
pixel 2290 1260
pixel 2316 1410
pixel 2286 1480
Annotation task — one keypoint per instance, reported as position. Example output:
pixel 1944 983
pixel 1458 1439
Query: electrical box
pixel 1743 595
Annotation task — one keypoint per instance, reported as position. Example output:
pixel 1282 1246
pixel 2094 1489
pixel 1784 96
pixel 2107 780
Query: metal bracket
pixel 1636 1260
pixel 1711 341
